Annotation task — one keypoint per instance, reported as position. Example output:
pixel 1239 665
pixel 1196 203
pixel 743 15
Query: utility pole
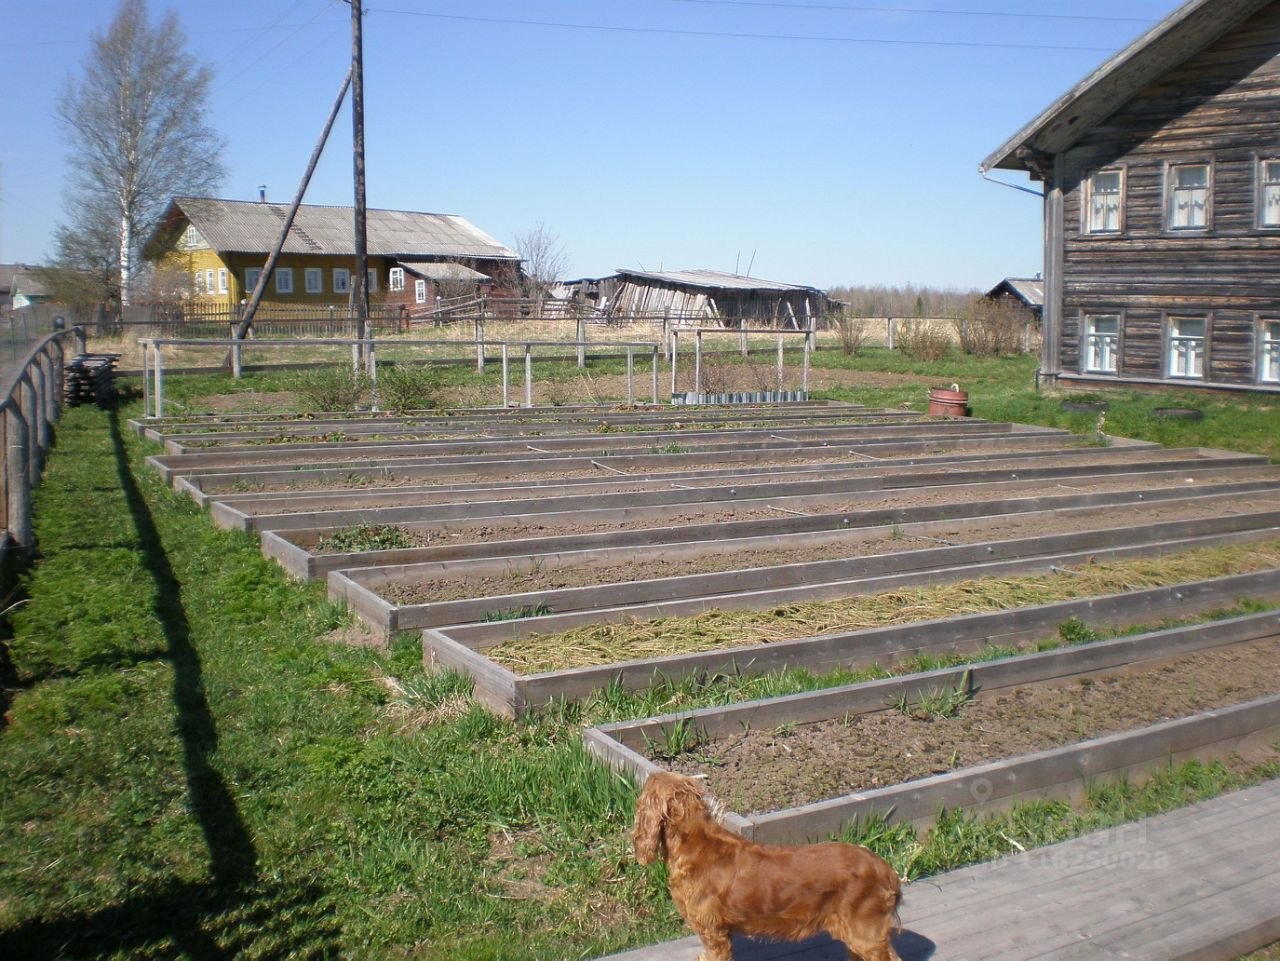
pixel 360 289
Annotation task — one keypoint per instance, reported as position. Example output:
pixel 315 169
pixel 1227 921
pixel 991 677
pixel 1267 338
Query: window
pixel 372 282
pixel 1101 343
pixel 251 275
pixel 1104 201
pixel 198 283
pixel 208 282
pixel 190 237
pixel 420 291
pixel 284 280
pixel 222 280
pixel 341 280
pixel 395 279
pixel 1189 197
pixel 1269 193
pixel 313 280
pixel 1186 347
pixel 1269 368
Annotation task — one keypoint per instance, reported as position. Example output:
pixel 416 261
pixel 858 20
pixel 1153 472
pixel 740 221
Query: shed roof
pixel 710 279
pixel 444 270
pixel 1188 30
pixel 1029 290
pixel 240 226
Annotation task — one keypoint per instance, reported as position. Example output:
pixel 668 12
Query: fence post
pixel 804 376
pixel 237 360
pixel 29 403
pixel 655 375
pixel 146 377
pixel 675 347
pixel 80 341
pixel 780 381
pixel 889 332
pixel 505 369
pixel 582 342
pixel 631 373
pixel 742 336
pixel 59 380
pixel 372 360
pixel 528 375
pixel 479 345
pixel 17 476
pixel 159 372
pixel 667 345
pixel 49 393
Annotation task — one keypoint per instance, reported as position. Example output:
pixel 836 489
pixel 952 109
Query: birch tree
pixel 137 123
pixel 544 260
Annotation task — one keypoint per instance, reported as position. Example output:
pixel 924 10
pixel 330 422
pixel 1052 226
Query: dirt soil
pixel 509 528
pixel 669 563
pixel 759 771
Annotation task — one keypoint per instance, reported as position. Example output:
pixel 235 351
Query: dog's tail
pixel 893 905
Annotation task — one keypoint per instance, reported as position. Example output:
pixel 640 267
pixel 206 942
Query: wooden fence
pixel 31 404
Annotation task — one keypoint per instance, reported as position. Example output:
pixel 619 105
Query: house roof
pixel 1029 290
pixel 710 279
pixel 444 270
pixel 1188 30
pixel 6 276
pixel 26 281
pixel 239 226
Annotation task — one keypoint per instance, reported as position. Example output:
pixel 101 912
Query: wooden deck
pixel 1200 883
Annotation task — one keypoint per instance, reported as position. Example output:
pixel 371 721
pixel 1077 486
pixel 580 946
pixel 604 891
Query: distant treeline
pixel 907 301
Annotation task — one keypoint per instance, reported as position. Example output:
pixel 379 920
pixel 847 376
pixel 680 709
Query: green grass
pixel 190 768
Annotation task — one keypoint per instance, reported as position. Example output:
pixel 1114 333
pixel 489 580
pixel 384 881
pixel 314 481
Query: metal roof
pixel 443 270
pixel 1029 290
pixel 1188 30
pixel 240 226
pixel 716 279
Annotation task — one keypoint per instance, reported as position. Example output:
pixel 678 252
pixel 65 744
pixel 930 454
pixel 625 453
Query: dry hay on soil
pixel 610 643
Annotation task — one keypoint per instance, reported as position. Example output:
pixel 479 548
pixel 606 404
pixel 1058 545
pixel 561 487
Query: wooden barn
pixel 711 296
pixel 1025 293
pixel 1161 175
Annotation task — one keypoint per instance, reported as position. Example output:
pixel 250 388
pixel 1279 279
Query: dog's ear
pixel 651 815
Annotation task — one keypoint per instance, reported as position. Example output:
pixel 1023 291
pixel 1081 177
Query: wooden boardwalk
pixel 1199 883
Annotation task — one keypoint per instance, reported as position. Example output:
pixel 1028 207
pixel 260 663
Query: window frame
pixel 251 275
pixel 341 280
pixel 222 280
pixel 1110 343
pixel 1260 192
pixel 1090 188
pixel 1268 349
pixel 371 280
pixel 395 279
pixel 283 280
pixel 1176 343
pixel 419 291
pixel 197 284
pixel 1171 194
pixel 313 280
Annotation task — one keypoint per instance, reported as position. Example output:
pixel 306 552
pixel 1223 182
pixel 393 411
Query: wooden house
pixel 711 296
pixel 1161 174
pixel 1025 294
pixel 212 251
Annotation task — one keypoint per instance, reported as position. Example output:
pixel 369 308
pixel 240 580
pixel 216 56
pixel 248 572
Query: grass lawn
pixel 191 767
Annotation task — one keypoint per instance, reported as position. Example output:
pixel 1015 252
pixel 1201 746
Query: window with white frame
pixel 313 280
pixel 395 279
pixel 420 291
pixel 208 281
pixel 1186 346
pixel 341 280
pixel 1104 201
pixel 222 280
pixel 1269 193
pixel 284 280
pixel 198 281
pixel 190 237
pixel 372 280
pixel 251 275
pixel 1188 191
pixel 1101 342
pixel 1269 362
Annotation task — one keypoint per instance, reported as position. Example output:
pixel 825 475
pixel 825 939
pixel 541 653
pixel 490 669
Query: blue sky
pixel 823 142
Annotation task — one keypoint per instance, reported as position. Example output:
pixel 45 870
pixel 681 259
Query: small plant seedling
pixel 678 737
pixel 1075 631
pixel 364 537
pixel 518 613
pixel 935 703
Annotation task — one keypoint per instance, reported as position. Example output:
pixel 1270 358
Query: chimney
pixel 262 193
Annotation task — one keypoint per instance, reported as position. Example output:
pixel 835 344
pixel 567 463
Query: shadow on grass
pixel 232 912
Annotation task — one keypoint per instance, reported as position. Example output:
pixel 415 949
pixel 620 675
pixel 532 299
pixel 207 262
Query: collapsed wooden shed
pixel 699 296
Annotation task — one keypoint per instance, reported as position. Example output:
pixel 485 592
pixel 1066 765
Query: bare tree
pixel 544 259
pixel 139 136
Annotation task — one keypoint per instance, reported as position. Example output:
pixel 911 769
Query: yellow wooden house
pixel 211 252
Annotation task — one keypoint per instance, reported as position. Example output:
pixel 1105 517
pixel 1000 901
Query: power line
pixel 736 35
pixel 780 4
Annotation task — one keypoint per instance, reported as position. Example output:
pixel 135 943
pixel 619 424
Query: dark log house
pixel 1161 175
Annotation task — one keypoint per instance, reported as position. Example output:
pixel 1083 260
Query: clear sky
pixel 821 142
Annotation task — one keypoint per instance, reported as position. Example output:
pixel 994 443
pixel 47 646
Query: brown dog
pixel 722 883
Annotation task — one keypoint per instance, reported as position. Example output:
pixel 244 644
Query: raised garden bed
pixel 388 599
pixel 804 767
pixel 465 648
